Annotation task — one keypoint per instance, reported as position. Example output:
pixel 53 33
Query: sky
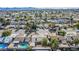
pixel 39 3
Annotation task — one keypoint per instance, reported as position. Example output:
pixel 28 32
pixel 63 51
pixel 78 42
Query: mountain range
pixel 32 8
pixel 18 8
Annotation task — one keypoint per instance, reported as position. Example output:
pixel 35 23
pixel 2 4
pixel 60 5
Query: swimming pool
pixel 2 46
pixel 23 45
pixel 7 39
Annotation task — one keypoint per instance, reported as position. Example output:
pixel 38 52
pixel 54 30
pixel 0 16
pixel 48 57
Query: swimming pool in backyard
pixel 2 46
pixel 23 45
pixel 7 39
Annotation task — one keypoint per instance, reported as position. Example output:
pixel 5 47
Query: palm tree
pixel 18 25
pixel 34 26
pixel 71 20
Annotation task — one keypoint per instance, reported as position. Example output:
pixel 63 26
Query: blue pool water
pixel 7 39
pixel 2 46
pixel 23 45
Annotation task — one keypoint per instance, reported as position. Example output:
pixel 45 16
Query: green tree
pixel 51 24
pixel 40 15
pixel 36 14
pixel 44 42
pixel 8 21
pixel 29 48
pixel 6 33
pixel 77 25
pixel 54 43
pixel 62 33
pixel 28 26
pixel 76 41
pixel 2 20
pixel 34 26
pixel 29 18
pixel 17 18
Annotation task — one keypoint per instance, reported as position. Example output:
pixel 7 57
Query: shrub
pixel 76 41
pixel 44 42
pixel 62 33
pixel 77 25
pixel 6 33
pixel 54 43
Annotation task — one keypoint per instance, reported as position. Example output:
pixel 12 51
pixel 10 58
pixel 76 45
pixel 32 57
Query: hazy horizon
pixel 45 7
